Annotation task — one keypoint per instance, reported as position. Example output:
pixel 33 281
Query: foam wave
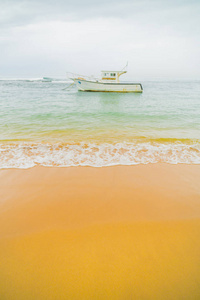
pixel 40 79
pixel 25 155
pixel 21 79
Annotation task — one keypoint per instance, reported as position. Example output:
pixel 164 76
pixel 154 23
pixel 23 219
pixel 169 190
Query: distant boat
pixel 109 82
pixel 47 79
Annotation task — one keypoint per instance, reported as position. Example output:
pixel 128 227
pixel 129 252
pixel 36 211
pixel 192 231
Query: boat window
pixel 109 74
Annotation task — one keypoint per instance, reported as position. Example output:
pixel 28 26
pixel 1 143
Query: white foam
pixel 42 79
pixel 21 79
pixel 25 155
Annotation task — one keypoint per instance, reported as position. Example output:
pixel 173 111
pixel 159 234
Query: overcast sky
pixel 159 39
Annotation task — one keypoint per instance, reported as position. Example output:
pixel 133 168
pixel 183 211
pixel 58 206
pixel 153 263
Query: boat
pixel 109 82
pixel 47 79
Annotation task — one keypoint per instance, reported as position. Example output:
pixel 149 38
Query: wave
pixel 21 79
pixel 26 155
pixel 42 79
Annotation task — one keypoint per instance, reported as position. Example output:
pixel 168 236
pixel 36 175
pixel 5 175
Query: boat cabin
pixel 111 75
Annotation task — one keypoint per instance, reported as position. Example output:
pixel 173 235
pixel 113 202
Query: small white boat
pixel 47 79
pixel 109 82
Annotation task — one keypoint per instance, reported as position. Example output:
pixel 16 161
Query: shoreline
pixel 118 232
pixel 100 167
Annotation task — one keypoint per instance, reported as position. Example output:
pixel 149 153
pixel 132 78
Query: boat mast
pixel 123 71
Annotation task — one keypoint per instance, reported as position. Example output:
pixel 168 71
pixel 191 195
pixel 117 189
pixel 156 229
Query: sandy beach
pixel 122 232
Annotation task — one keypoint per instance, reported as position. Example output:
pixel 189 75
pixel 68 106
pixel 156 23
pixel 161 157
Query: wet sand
pixel 123 232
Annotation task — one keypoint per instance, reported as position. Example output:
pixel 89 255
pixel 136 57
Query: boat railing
pixel 72 76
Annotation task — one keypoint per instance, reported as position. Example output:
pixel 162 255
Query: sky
pixel 159 39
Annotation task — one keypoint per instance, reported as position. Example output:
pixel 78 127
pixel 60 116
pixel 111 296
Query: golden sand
pixel 100 233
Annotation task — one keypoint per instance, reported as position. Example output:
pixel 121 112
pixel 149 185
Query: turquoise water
pixel 40 123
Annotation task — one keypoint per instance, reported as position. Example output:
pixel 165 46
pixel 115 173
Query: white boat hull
pixel 99 86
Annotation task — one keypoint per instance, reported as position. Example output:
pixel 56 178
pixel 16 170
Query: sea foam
pixel 25 155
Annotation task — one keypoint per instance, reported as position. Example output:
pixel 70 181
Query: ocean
pixel 42 123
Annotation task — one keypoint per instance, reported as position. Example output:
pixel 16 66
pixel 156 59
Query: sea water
pixel 42 123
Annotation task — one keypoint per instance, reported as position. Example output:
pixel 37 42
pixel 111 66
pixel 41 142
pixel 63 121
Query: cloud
pixel 22 12
pixel 159 38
